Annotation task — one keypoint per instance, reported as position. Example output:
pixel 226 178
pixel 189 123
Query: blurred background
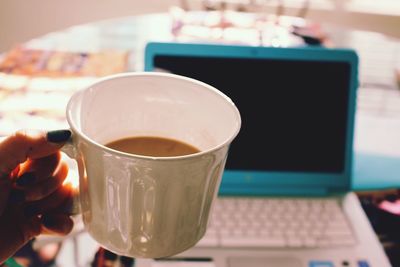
pixel 51 48
pixel 22 20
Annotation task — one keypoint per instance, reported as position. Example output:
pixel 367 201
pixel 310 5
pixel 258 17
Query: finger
pixel 15 233
pixel 56 224
pixel 15 149
pixel 48 186
pixel 34 171
pixel 55 201
pixel 5 187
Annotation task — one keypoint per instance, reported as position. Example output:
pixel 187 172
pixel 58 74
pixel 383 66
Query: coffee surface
pixel 152 146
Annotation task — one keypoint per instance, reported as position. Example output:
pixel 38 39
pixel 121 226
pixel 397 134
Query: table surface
pixel 377 141
pixel 377 130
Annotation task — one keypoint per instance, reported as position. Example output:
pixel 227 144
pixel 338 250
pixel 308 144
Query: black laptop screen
pixel 294 113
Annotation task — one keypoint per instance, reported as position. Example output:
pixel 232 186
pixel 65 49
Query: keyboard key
pixel 319 224
pixel 224 232
pixel 211 231
pixel 315 233
pixel 255 224
pixel 282 224
pixel 208 241
pixel 342 240
pixel 253 242
pixel 295 242
pixel 230 223
pixel 225 216
pixel 300 217
pixel 276 217
pixel 342 231
pixel 291 233
pixel 243 224
pixel 265 232
pixel 263 216
pixel 277 232
pixel 323 243
pixel 310 243
pixel 325 217
pixel 237 216
pixel 238 232
pixel 217 223
pixel 251 232
pixel 293 225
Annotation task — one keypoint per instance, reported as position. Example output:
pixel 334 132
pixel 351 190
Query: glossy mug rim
pixel 136 156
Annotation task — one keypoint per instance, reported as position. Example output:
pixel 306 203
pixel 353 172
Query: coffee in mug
pixel 152 146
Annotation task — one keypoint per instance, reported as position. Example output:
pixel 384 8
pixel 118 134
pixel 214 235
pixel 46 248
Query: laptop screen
pixel 294 112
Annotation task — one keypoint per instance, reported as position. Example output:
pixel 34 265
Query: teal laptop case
pixel 261 183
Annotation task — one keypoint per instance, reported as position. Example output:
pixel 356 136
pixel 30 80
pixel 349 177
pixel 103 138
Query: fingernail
pixel 66 207
pixel 58 136
pixel 27 178
pixel 49 221
pixel 110 255
pixel 29 211
pixel 126 261
pixel 17 196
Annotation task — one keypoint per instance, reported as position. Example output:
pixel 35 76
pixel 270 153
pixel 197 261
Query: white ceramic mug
pixel 142 206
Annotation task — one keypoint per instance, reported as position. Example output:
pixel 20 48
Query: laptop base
pixel 366 252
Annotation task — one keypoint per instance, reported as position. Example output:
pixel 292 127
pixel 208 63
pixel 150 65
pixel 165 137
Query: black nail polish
pixel 58 136
pixel 30 211
pixel 49 221
pixel 27 178
pixel 67 206
pixel 17 196
pixel 127 261
pixel 110 255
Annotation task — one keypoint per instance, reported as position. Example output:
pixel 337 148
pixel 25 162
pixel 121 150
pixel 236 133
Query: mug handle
pixel 70 150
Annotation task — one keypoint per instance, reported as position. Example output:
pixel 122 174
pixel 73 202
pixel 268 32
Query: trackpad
pixel 263 262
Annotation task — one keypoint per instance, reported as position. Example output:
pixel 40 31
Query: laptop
pixel 285 199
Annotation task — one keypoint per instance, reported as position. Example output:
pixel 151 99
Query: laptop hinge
pixel 273 191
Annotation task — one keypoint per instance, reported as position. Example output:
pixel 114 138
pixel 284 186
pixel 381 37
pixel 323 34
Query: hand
pixel 31 191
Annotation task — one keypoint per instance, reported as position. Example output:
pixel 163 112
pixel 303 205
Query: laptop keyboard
pixel 277 223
